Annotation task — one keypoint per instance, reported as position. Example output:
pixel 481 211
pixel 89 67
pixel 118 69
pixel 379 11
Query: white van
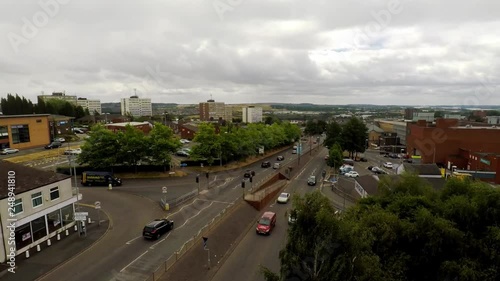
pixel 276 166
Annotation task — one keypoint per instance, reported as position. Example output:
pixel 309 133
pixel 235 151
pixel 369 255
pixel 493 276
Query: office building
pixel 251 114
pixel 214 111
pixel 24 131
pixel 59 96
pixel 92 105
pixel 136 106
pixel 427 116
pixel 409 113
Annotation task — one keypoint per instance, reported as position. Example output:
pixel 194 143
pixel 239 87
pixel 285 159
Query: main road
pixel 255 250
pixel 129 256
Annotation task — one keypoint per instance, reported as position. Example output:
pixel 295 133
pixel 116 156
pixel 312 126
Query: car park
pixel 352 174
pixel 265 164
pixel 249 173
pixel 283 198
pixel 266 223
pixel 388 165
pixel 6 151
pixel 156 228
pixel 311 180
pixel 345 169
pixel 280 158
pixel 54 144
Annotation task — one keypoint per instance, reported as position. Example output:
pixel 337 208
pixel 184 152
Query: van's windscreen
pixel 264 221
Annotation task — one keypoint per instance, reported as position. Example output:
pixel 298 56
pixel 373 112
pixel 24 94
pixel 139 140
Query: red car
pixel 266 223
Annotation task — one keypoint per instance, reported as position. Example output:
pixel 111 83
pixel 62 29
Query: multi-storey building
pixel 43 206
pixel 409 113
pixel 136 106
pixel 251 114
pixel 214 111
pixel 92 105
pixel 59 96
pixel 24 131
pixel 427 116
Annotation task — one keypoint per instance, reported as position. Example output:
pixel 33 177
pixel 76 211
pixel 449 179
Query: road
pixel 255 250
pixel 127 256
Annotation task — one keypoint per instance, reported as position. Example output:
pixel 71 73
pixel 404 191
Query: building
pixel 480 165
pixel 453 116
pixel 136 106
pixel 145 127
pixel 60 125
pixel 374 135
pixel 443 141
pixel 43 206
pixel 479 113
pixel 188 131
pixel 24 131
pixel 214 111
pixel 105 118
pixel 59 96
pixel 251 114
pixel 427 116
pixel 493 120
pixel 409 113
pixel 92 105
pixel 396 127
pixel 422 170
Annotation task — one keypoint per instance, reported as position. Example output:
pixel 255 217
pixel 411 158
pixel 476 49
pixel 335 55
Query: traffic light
pixel 207 175
pixel 242 184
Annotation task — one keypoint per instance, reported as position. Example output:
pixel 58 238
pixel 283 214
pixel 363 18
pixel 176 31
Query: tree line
pixel 409 231
pixel 15 105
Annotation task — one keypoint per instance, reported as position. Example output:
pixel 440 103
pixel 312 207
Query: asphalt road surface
pixel 255 250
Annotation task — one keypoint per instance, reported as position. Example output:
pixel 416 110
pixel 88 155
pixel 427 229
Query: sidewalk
pixel 50 257
pixel 221 241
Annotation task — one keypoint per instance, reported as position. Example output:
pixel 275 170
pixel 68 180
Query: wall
pixel 39 131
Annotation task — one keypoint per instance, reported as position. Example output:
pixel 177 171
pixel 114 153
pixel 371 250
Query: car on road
pixel 60 139
pixel 378 170
pixel 388 165
pixel 265 164
pixel 156 228
pixel 76 151
pixel 90 178
pixel 276 165
pixel 54 144
pixel 352 174
pixel 249 173
pixel 283 198
pixel 266 223
pixel 311 180
pixel 280 158
pixel 6 151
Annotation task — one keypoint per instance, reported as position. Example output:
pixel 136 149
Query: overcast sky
pixel 420 52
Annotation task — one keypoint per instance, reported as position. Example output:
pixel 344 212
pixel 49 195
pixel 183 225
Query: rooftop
pixel 24 116
pixel 423 169
pixel 402 123
pixel 27 178
pixel 128 123
pixel 476 127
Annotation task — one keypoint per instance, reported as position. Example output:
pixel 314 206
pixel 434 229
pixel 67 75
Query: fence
pixel 259 195
pixel 170 261
pixel 178 200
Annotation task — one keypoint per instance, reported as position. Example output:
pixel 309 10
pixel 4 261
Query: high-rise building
pixel 409 113
pixel 59 96
pixel 213 111
pixel 92 105
pixel 251 114
pixel 136 106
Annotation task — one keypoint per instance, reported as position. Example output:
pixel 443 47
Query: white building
pixel 91 105
pixel 494 120
pixel 41 206
pixel 427 116
pixel 58 96
pixel 251 114
pixel 136 106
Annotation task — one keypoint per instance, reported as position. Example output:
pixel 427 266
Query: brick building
pixel 145 127
pixel 445 141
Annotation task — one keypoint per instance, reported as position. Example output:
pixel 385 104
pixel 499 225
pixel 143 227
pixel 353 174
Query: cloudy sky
pixel 245 51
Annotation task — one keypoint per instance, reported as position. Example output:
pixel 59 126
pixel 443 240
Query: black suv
pixel 280 158
pixel 156 228
pixel 249 173
pixel 265 164
pixel 54 144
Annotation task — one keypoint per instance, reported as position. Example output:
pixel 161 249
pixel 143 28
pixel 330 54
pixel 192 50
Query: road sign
pixel 81 216
pixel 205 239
pixel 97 205
pixel 164 189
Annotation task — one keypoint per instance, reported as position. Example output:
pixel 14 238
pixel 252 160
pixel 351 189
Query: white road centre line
pixel 195 215
pixel 182 208
pixel 130 241
pixel 154 245
pixel 133 261
pixel 215 201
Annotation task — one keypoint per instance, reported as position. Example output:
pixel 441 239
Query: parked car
pixel 266 223
pixel 311 180
pixel 283 198
pixel 6 151
pixel 378 170
pixel 370 168
pixel 60 139
pixel 388 165
pixel 249 173
pixel 182 153
pixel 54 144
pixel 363 159
pixel 280 158
pixel 156 228
pixel 184 141
pixel 78 131
pixel 294 151
pixel 352 174
pixel 345 169
pixel 76 151
pixel 265 164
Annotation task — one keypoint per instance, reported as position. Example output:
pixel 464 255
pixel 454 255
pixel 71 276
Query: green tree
pixel 209 144
pixel 133 146
pixel 87 112
pixel 101 149
pixel 66 109
pixel 354 136
pixel 40 106
pixel 79 112
pixel 162 144
pixel 335 156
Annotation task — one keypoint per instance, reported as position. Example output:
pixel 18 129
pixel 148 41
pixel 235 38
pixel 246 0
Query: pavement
pixel 40 263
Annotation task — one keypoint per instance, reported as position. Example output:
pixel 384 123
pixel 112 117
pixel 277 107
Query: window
pixel 20 133
pixel 39 228
pixel 67 214
pixel 54 193
pixel 4 132
pixel 54 220
pixel 18 206
pixel 36 198
pixel 39 120
pixel 23 236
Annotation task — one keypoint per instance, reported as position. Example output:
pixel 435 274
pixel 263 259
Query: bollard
pixel 67 232
pixel 110 187
pixel 76 227
pixel 27 253
pixel 58 236
pixel 38 249
pixel 48 242
pixel 89 221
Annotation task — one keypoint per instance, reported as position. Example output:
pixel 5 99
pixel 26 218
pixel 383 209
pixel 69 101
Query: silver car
pixel 6 151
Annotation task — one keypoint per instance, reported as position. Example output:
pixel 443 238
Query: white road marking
pixel 182 208
pixel 62 162
pixel 215 201
pixel 154 245
pixel 195 215
pixel 130 241
pixel 133 261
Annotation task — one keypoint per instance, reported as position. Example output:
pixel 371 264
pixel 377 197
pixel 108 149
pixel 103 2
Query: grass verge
pixel 40 155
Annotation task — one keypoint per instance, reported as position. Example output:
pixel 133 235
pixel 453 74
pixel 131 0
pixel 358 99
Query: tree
pixel 335 156
pixel 133 146
pixel 79 112
pixel 66 109
pixel 15 105
pixel 101 149
pixel 209 146
pixel 354 136
pixel 87 112
pixel 162 144
pixel 333 134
